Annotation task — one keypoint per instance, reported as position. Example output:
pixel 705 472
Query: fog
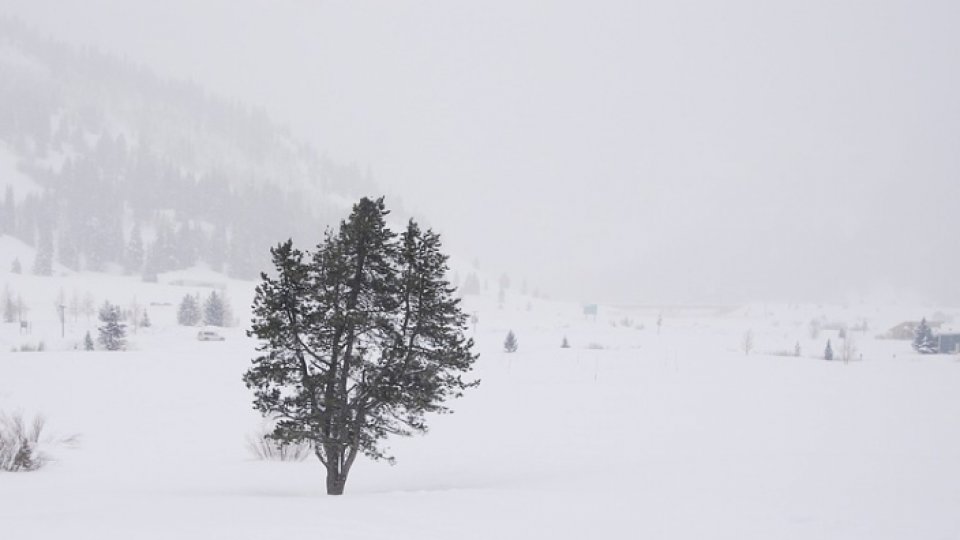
pixel 625 152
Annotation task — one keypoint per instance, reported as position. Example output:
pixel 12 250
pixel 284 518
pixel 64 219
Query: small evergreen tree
pixel 87 342
pixel 188 314
pixel 215 310
pixel 16 267
pixel 923 340
pixel 565 344
pixel 145 320
pixel 828 352
pixel 796 349
pixel 510 344
pixel 112 332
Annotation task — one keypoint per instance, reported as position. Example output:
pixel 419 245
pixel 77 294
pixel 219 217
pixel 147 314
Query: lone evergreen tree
pixel 828 352
pixel 358 340
pixel 796 349
pixel 923 340
pixel 188 314
pixel 112 332
pixel 87 342
pixel 16 267
pixel 145 320
pixel 215 310
pixel 510 343
pixel 565 344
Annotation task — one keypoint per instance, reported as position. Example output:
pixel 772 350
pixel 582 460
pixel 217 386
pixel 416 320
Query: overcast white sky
pixel 636 152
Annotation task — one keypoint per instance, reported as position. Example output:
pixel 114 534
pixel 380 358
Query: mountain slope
pixel 109 166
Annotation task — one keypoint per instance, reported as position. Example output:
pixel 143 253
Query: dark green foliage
pixel 359 340
pixel 923 340
pixel 828 352
pixel 510 344
pixel 188 314
pixel 112 331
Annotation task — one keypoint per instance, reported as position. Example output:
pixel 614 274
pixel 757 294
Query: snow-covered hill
pixel 100 157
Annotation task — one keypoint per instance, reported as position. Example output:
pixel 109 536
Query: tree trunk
pixel 336 480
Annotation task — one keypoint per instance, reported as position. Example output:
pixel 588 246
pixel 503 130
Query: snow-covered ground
pixel 630 433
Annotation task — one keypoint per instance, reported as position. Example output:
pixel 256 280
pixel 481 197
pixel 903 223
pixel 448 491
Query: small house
pixel 948 343
pixel 907 330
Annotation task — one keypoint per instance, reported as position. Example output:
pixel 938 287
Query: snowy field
pixel 630 433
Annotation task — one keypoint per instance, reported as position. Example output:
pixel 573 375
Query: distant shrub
pixel 19 442
pixel 265 448
pixel 30 347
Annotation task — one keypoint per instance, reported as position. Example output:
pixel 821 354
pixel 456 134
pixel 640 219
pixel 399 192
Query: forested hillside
pixel 106 166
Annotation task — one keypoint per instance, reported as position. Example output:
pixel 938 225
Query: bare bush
pixel 19 441
pixel 265 448
pixel 848 350
pixel 746 343
pixel 30 347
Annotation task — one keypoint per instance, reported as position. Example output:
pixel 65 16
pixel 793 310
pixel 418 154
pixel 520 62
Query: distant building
pixel 948 343
pixel 907 330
